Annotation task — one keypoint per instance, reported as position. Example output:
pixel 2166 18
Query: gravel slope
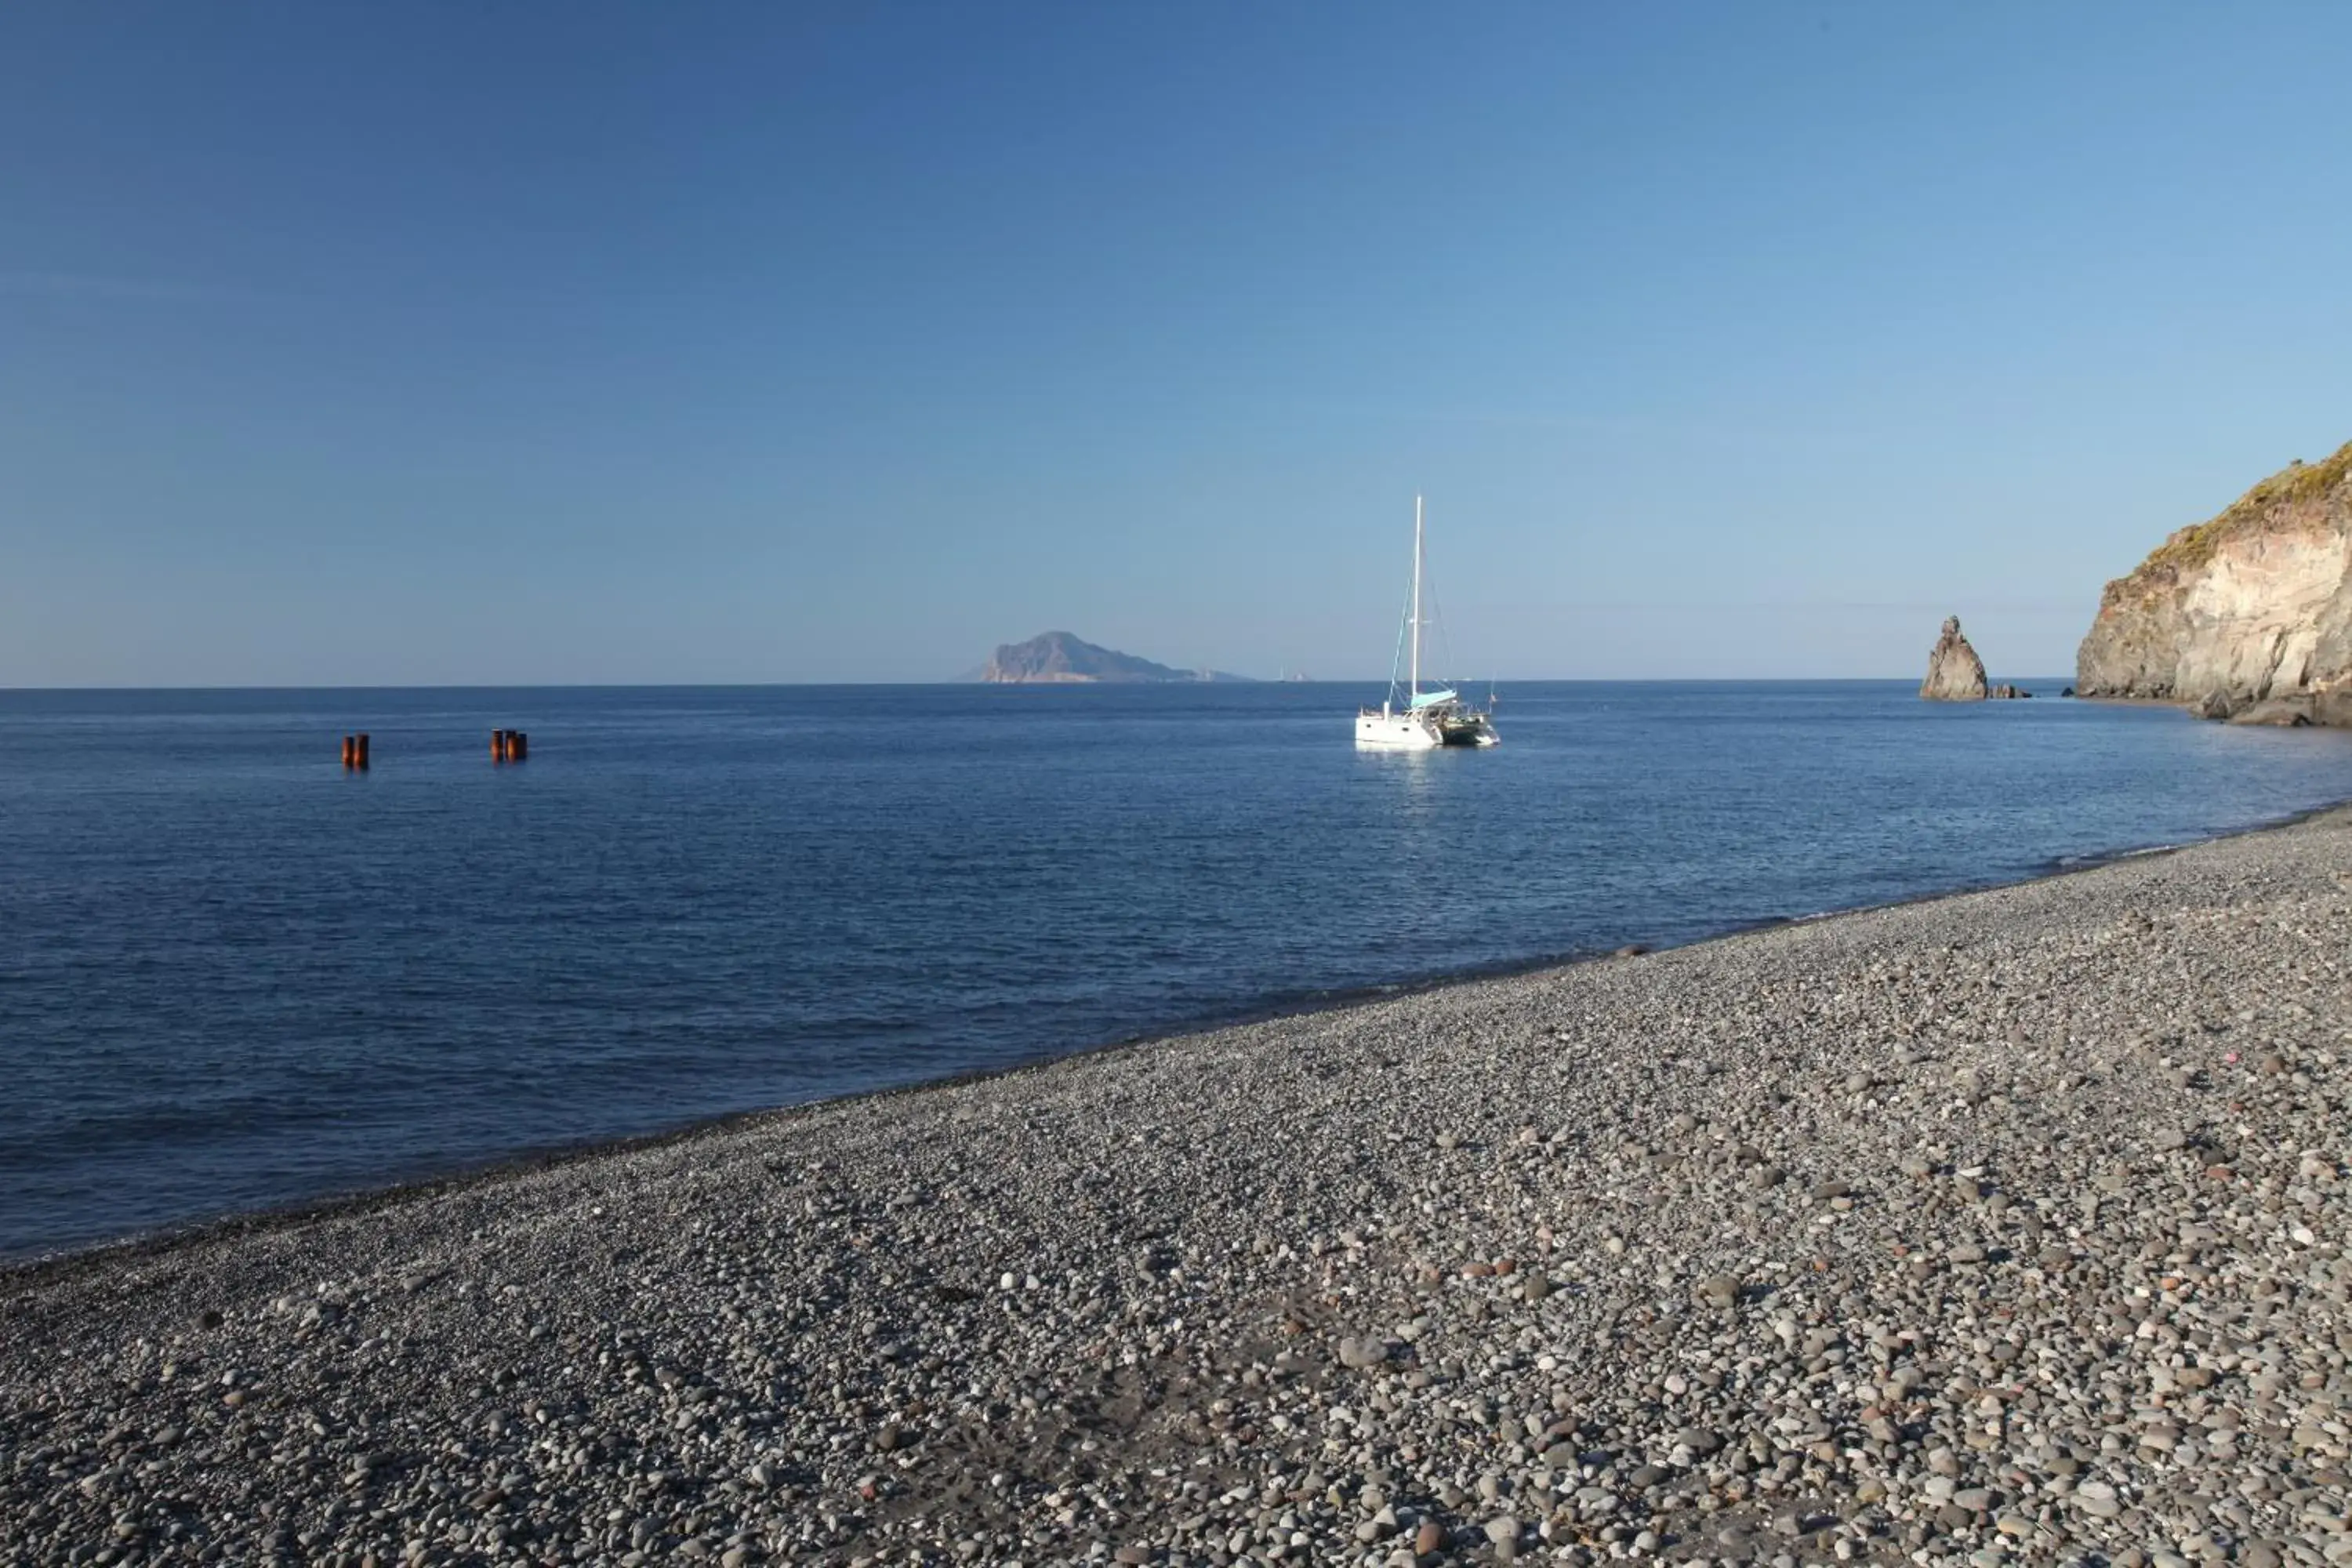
pixel 2007 1226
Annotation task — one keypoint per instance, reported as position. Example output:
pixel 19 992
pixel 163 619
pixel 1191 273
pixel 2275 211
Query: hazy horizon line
pixel 785 685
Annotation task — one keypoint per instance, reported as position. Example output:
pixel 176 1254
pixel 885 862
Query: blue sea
pixel 232 977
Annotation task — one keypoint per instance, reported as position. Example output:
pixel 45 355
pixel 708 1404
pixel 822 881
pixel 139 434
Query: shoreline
pixel 2007 1224
pixel 375 1198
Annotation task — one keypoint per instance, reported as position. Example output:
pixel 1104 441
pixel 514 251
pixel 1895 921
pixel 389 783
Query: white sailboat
pixel 1422 721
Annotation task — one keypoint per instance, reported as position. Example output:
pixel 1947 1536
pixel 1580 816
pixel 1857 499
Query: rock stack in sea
pixel 2006 1228
pixel 1955 673
pixel 2247 616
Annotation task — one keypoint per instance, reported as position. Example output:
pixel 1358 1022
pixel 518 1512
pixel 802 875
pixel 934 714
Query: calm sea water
pixel 232 976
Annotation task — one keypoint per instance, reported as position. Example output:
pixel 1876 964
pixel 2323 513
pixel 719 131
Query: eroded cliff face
pixel 2251 611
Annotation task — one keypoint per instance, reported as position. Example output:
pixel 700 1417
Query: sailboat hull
pixel 1397 732
pixel 1422 731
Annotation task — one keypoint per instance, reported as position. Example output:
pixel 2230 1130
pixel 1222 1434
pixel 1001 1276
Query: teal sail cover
pixel 1428 698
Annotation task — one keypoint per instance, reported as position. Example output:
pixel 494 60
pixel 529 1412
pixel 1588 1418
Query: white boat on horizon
pixel 1422 721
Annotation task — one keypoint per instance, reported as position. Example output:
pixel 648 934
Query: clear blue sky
pixel 493 342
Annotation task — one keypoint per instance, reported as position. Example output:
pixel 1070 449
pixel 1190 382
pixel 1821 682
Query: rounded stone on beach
pixel 1720 1291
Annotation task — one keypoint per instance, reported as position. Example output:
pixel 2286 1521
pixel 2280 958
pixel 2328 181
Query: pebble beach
pixel 2005 1227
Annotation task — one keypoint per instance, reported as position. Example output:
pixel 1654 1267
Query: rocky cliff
pixel 1058 656
pixel 2248 616
pixel 1955 673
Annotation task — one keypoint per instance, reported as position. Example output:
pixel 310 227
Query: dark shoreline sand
pixel 1887 1233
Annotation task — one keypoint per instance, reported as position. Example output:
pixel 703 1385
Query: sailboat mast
pixel 1415 687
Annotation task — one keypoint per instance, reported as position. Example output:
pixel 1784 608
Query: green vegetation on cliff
pixel 2299 483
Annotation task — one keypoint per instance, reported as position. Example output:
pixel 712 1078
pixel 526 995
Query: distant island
pixel 1058 656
